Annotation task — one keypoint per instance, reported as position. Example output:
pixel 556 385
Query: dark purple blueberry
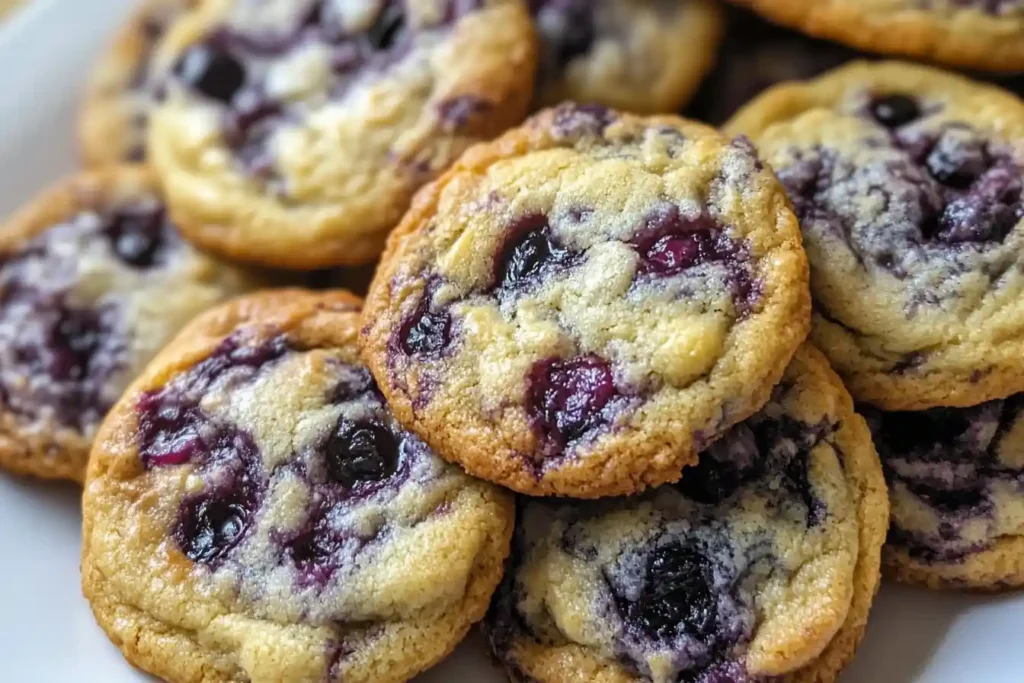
pixel 677 596
pixel 312 551
pixel 426 332
pixel 533 250
pixel 723 468
pixel 893 111
pixel 212 72
pixel 389 26
pixel 74 341
pixel 573 120
pixel 565 398
pixel 137 234
pixel 210 526
pixel 354 384
pixel 673 243
pixel 360 452
pixel 168 431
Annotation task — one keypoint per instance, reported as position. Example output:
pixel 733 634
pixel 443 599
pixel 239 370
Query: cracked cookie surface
pixel 294 133
pixel 980 34
pixel 908 182
pixel 579 307
pixel 254 512
pixel 645 56
pixel 956 482
pixel 94 280
pixel 760 564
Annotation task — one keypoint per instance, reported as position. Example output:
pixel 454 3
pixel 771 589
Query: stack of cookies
pixel 589 399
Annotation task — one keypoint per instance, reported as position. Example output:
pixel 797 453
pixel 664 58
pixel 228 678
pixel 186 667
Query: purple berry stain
pixel 566 399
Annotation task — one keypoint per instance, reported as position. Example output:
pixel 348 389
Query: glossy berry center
pixel 526 257
pixel 209 527
pixel 426 332
pixel 566 397
pixel 212 72
pixel 360 452
pixel 677 596
pixel 893 111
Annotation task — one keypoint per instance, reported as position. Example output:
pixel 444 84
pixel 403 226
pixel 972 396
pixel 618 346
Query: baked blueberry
pixel 281 493
pixel 318 120
pixel 581 306
pixel 908 183
pixel 94 279
pixel 703 582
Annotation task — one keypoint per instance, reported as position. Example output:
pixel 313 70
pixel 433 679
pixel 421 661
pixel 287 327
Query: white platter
pixel 47 634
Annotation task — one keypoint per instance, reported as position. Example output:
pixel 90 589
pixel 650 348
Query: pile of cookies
pixel 634 392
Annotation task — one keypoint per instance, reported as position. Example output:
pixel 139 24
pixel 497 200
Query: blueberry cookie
pixel 293 133
pixel 982 34
pixel 253 511
pixel 760 564
pixel 638 55
pixel 956 482
pixel 94 280
pixel 121 89
pixel 579 307
pixel 907 181
pixel 754 56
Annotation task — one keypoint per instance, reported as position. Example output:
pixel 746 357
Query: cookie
pixel 122 87
pixel 760 564
pixel 981 34
pixel 94 280
pixel 579 307
pixel 253 512
pixel 955 481
pixel 293 134
pixel 754 56
pixel 907 181
pixel 645 56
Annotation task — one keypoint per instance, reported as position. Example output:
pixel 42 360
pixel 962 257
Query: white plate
pixel 47 634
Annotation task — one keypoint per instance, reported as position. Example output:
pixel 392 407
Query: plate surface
pixel 47 634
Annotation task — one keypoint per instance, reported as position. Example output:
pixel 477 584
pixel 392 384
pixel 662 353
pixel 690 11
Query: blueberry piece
pixel 565 398
pixel 893 111
pixel 425 332
pixel 677 596
pixel 360 452
pixel 137 235
pixel 524 259
pixel 210 526
pixel 213 73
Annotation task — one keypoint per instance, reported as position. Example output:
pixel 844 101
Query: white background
pixel 47 634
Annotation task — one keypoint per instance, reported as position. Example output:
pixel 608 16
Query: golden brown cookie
pixel 253 511
pixel 637 55
pixel 981 34
pixel 293 134
pixel 955 481
pixel 581 306
pixel 761 563
pixel 94 280
pixel 908 184
pixel 122 87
